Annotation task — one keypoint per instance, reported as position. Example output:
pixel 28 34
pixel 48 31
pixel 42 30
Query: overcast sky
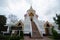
pixel 45 9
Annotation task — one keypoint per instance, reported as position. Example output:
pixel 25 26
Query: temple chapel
pixel 30 25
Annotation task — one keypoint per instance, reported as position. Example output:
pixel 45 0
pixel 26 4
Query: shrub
pixel 9 37
pixel 21 35
pixel 15 38
pixel 55 35
pixel 2 37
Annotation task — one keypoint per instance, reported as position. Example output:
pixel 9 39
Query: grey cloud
pixel 4 11
pixel 53 8
pixel 3 3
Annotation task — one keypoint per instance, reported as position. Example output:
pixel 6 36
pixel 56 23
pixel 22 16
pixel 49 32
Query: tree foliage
pixel 2 22
pixel 57 20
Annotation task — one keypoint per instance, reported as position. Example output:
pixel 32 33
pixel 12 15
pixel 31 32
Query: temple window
pixel 48 25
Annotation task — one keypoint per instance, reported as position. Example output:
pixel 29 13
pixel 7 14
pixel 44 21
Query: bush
pixel 21 35
pixel 2 37
pixel 15 38
pixel 55 35
pixel 9 37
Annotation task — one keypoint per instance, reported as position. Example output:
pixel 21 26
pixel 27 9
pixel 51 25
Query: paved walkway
pixel 28 38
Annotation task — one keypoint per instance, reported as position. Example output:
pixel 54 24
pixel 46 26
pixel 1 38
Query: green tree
pixel 57 20
pixel 2 21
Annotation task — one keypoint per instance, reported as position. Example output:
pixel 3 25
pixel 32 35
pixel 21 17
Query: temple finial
pixel 31 7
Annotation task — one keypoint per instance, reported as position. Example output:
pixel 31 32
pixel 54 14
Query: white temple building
pixel 30 18
pixel 31 24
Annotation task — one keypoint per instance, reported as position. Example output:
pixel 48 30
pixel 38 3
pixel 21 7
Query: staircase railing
pixel 31 28
pixel 27 23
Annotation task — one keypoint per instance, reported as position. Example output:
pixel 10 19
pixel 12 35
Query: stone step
pixel 35 31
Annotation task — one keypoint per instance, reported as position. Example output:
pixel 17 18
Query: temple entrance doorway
pixel 31 19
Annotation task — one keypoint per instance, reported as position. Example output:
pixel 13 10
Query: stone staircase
pixel 35 32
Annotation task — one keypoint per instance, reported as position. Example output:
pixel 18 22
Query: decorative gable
pixel 31 14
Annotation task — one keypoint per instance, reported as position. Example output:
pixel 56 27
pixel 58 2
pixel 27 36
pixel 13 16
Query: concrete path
pixel 28 38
